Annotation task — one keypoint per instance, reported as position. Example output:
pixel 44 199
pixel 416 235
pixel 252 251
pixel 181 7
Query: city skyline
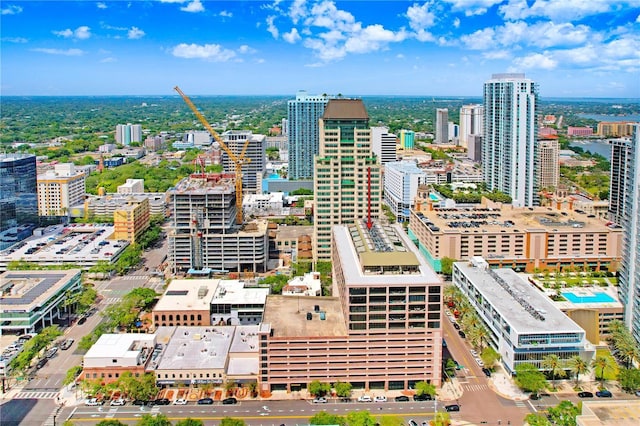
pixel 438 48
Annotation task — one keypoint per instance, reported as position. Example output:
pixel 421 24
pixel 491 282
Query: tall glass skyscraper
pixel 303 133
pixel 510 137
pixel 629 271
pixel 18 197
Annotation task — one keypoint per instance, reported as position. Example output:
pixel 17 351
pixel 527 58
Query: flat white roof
pixel 187 295
pixel 233 292
pixel 119 346
pixel 523 307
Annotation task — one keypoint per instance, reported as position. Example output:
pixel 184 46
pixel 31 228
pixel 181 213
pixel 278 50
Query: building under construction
pixel 204 235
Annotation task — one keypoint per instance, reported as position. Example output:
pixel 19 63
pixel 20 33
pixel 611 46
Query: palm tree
pixel 554 364
pixel 478 335
pixel 578 366
pixel 602 363
pixel 628 351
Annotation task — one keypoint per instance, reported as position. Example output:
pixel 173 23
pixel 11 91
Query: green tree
pixel 564 414
pixel 324 418
pixel 528 378
pixel 111 422
pixel 319 388
pixel 489 356
pixel 602 364
pixel 360 418
pixel 276 282
pixel 190 422
pixel 343 389
pixel 446 263
pixel 230 421
pixel 555 366
pixel 441 419
pixel 629 379
pixel 154 420
pixel 391 420
pixel 424 388
pixel 72 374
pixel 537 419
pixel 450 367
pixel 578 366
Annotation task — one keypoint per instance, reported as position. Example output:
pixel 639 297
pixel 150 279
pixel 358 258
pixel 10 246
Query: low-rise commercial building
pixel 523 325
pixel 307 285
pixel 31 300
pixel 131 221
pixel 106 205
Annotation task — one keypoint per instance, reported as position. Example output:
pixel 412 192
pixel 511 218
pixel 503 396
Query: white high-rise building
pixel 127 133
pixel 383 144
pixel 510 137
pixel 470 122
pixel 256 152
pixel 59 189
pixel 401 181
pixel 629 270
pixel 442 125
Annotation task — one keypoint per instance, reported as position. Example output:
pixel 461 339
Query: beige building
pixel 615 128
pixel 346 181
pixel 59 189
pixel 548 167
pixel 132 186
pixel 382 331
pixel 609 413
pixel 522 238
pixel 131 220
pixel 294 241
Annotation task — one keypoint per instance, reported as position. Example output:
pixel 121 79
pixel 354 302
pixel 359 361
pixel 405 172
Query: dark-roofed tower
pixel 346 181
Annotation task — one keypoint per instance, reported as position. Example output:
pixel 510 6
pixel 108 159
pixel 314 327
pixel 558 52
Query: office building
pixel 510 136
pixel 621 174
pixel 18 197
pixel 474 148
pixel 407 139
pixel 579 131
pixel 204 235
pixel 471 117
pixel 256 154
pixel 99 206
pixel 131 186
pixel 347 184
pixel 131 220
pixel 401 181
pixel 522 238
pixel 198 138
pixel 453 133
pixel 383 144
pixel 382 331
pixel 442 126
pixel 59 189
pixel 303 133
pixel 523 325
pixel 629 270
pixel 547 163
pixel 128 133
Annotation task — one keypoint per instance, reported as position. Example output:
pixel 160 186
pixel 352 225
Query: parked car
pixel 229 401
pixel 41 363
pixel 66 344
pixel 380 398
pixel 401 398
pixel 140 402
pixel 161 401
pixel 51 352
pixel 118 402
pixel 422 397
pixel 412 423
pixel 456 326
pixel 180 401
pixel 585 394
pixel 92 402
pixel 205 401
pixel 638 392
pixel 82 320
pixel 320 400
pixel 365 398
pixel 604 394
pixel 452 407
pixel 461 334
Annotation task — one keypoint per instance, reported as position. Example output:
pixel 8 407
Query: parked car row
pixel 603 393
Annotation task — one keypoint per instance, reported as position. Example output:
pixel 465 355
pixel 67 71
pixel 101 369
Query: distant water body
pixel 605 117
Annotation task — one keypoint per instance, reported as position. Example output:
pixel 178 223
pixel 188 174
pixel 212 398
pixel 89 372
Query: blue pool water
pixel 434 197
pixel 596 297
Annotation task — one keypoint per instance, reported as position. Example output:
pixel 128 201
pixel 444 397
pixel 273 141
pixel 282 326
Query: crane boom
pixel 238 160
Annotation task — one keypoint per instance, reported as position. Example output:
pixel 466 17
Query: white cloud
pixel 473 7
pixel 297 10
pixel 108 60
pixel 225 14
pixel 246 49
pixel 400 56
pixel 260 61
pixel 14 39
pixel 479 40
pixel 12 9
pixel 67 52
pixel 564 10
pixel 536 60
pixel 271 27
pixel 638 19
pixel 212 52
pixel 420 17
pixel 496 54
pixel 81 33
pixel 456 23
pixel 292 36
pixel 173 1
pixel 100 5
pixel 194 7
pixel 135 33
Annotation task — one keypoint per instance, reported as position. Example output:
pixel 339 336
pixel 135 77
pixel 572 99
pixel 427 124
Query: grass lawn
pixel 609 374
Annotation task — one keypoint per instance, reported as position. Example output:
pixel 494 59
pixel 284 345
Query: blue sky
pixel 572 48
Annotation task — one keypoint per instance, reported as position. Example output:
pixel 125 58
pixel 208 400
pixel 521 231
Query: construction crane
pixel 237 160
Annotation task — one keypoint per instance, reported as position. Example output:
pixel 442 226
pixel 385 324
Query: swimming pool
pixel 434 197
pixel 592 297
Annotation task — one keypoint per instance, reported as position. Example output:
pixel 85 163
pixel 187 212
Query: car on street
pixel 91 402
pixel 412 423
pixel 452 407
pixel 41 363
pixel 161 401
pixel 461 334
pixel 638 392
pixel 364 398
pixel 82 320
pixel 51 352
pixel 229 401
pixel 422 397
pixel 180 401
pixel 486 372
pixel 320 400
pixel 205 401
pixel 585 394
pixel 456 326
pixel 604 394
pixel 401 398
pixel 118 402
pixel 140 402
pixel 66 344
pixel 380 398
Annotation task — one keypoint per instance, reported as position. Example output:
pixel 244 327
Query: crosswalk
pixel 36 395
pixel 112 300
pixel 475 388
pixel 520 404
pixel 134 278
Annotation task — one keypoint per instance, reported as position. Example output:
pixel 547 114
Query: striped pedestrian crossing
pixel 36 395
pixel 475 388
pixel 520 404
pixel 112 300
pixel 134 278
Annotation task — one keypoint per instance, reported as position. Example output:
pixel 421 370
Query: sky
pixel 571 48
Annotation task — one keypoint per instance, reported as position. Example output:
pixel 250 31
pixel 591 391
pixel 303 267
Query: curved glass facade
pixel 18 197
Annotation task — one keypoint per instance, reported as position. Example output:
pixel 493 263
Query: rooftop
pixel 345 109
pixel 127 345
pixel 519 303
pixel 215 183
pixel 187 295
pixel 28 290
pixel 196 348
pixel 291 232
pixel 609 413
pixel 287 316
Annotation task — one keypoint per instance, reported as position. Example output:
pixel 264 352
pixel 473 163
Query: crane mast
pixel 237 160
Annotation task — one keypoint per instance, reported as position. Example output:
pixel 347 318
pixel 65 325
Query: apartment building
pixel 522 238
pixel 131 221
pixel 547 163
pixel 383 144
pixel 382 331
pixel 256 153
pixel 401 181
pixel 616 129
pixel 471 117
pixel 59 189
